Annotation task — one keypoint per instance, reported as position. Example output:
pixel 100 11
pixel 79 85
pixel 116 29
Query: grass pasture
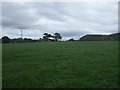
pixel 60 65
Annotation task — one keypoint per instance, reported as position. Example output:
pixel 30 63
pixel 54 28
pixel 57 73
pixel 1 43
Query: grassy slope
pixel 60 64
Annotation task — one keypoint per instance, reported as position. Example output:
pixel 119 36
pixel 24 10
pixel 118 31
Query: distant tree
pixel 46 36
pixel 49 35
pixel 35 40
pixel 40 39
pixel 57 36
pixel 27 40
pixel 71 39
pixel 6 39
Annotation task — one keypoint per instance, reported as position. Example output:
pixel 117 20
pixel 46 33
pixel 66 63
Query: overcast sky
pixel 70 19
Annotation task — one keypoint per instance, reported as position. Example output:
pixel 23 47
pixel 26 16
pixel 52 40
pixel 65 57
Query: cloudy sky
pixel 70 19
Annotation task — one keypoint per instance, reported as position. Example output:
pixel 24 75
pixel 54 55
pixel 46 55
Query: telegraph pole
pixel 21 34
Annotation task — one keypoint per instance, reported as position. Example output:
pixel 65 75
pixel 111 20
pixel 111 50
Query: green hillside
pixel 111 37
pixel 116 36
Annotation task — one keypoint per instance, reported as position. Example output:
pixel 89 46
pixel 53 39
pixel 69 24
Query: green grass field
pixel 60 65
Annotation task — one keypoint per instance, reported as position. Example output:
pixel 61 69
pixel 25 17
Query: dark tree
pixel 71 39
pixel 6 39
pixel 46 36
pixel 49 35
pixel 57 36
pixel 27 40
pixel 40 39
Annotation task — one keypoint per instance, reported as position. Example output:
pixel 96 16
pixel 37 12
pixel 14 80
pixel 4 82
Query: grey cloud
pixel 70 19
pixel 16 16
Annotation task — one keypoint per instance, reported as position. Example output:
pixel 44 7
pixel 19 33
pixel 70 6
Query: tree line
pixel 46 37
pixel 54 37
pixel 57 37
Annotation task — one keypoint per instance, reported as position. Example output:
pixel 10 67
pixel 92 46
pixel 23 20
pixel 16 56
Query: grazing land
pixel 60 65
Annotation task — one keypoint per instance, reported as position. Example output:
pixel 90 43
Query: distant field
pixel 60 65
